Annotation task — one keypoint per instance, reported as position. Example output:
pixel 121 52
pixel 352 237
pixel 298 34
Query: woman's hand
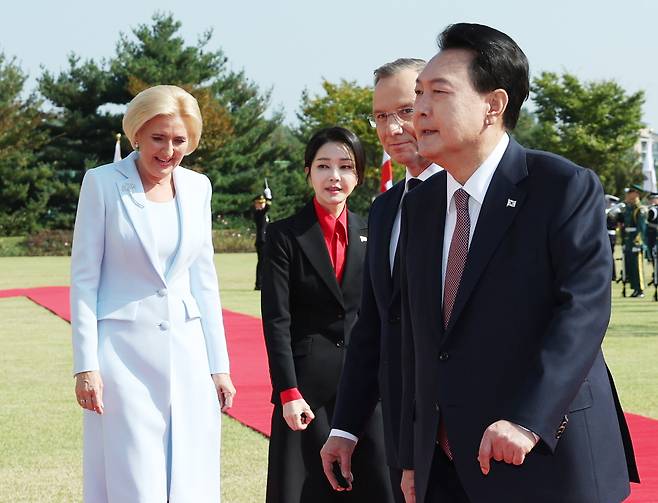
pixel 297 414
pixel 225 390
pixel 89 390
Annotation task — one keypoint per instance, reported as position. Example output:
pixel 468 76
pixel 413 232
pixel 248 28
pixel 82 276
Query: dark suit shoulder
pixel 548 164
pixel 429 190
pixel 553 172
pixel 390 197
pixel 357 220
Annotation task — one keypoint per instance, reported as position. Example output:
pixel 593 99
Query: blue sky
pixel 290 45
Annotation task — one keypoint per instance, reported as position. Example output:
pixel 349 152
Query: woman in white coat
pixel 150 355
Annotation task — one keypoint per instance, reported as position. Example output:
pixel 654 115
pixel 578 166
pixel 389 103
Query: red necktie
pixel 456 261
pixel 457 254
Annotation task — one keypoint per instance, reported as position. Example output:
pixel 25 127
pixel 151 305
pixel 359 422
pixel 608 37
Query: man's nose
pixel 393 125
pixel 420 107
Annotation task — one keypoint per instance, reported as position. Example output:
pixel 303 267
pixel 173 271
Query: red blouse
pixel 334 231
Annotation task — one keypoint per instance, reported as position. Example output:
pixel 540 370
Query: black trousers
pixel 294 471
pixel 444 484
pixel 260 253
pixel 396 477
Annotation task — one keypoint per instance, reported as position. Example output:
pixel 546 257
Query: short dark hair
pixel 499 63
pixel 337 134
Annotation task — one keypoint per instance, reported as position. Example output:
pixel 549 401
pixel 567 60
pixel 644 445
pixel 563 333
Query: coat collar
pixel 311 241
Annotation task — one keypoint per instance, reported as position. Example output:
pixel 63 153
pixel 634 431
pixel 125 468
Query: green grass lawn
pixel 40 423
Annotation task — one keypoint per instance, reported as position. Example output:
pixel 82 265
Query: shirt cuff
pixel 343 434
pixel 289 395
pixel 536 437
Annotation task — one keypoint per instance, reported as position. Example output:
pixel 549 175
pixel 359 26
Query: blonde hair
pixel 171 101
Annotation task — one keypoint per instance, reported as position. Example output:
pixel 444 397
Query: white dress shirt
pixel 476 187
pixel 395 237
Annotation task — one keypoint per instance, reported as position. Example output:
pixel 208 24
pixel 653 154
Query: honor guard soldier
pixel 652 223
pixel 612 218
pixel 652 245
pixel 262 205
pixel 633 225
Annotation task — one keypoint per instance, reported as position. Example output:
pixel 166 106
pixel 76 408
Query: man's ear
pixel 497 104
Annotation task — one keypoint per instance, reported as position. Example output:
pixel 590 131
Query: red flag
pixel 387 173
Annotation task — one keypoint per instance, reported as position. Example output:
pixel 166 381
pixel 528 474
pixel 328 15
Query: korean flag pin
pixel 511 203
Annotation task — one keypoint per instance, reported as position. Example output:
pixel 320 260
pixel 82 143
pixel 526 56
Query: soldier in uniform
pixel 650 240
pixel 261 207
pixel 633 225
pixel 652 222
pixel 612 214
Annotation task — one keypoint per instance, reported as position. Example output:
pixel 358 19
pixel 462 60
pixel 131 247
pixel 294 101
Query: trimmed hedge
pixel 58 243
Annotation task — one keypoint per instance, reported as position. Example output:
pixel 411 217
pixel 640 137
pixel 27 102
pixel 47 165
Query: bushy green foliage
pixel 239 146
pixel 345 104
pixel 594 124
pixel 25 183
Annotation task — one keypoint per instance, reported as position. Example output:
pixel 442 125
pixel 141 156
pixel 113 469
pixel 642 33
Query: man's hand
pixel 338 449
pixel 505 441
pixel 408 486
pixel 297 414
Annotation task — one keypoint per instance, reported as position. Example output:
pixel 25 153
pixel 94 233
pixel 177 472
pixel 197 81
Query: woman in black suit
pixel 310 298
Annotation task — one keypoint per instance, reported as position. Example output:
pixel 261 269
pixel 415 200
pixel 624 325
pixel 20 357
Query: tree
pixel 80 136
pixel 238 146
pixel 345 104
pixel 25 183
pixel 526 128
pixel 594 124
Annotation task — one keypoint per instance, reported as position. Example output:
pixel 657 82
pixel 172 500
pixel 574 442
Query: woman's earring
pixel 137 147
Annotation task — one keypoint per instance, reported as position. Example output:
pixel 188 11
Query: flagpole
pixel 648 168
pixel 117 148
pixel 386 173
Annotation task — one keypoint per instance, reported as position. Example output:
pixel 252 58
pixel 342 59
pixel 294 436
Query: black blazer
pixel 524 339
pixel 307 315
pixel 372 366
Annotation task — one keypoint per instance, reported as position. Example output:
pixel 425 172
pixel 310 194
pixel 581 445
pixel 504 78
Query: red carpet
pixel 250 376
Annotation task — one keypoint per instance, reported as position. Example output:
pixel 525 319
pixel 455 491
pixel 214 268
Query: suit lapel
pixel 133 199
pixel 311 241
pixel 431 241
pixel 496 215
pixel 354 255
pixel 390 279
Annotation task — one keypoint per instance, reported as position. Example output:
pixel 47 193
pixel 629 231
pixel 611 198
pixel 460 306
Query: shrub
pixel 48 243
pixel 233 241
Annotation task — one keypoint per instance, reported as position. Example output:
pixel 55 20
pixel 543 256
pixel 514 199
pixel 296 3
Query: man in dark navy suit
pixel 505 283
pixel 372 367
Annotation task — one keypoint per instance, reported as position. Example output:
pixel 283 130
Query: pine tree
pixel 25 183
pixel 239 145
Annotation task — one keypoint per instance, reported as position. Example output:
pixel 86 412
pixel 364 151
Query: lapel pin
pixel 363 238
pixel 129 188
pixel 511 203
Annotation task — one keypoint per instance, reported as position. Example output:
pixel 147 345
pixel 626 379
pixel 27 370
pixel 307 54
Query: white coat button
pixel 162 292
pixel 164 325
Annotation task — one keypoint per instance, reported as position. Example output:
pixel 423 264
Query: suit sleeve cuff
pixel 343 434
pixel 289 395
